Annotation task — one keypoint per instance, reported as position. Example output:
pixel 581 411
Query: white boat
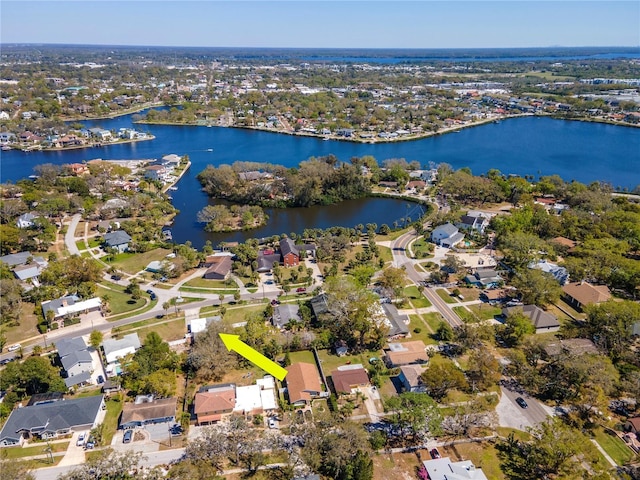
pixel 209 149
pixel 173 188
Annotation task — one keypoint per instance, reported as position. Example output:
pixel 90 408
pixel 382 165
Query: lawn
pixel 114 408
pixel 483 455
pixel 27 326
pixel 614 446
pixel 39 449
pixel 425 333
pixel 330 361
pixel 385 253
pixel 570 310
pixel 134 262
pixel 81 245
pixel 119 301
pixel 95 242
pixel 79 230
pixel 417 299
pixel 470 293
pixel 238 314
pixel 216 284
pixel 445 295
pixel 173 330
pixel 396 466
pixel 433 319
pixel 485 311
pixel 464 314
pixel 421 248
pixel 305 356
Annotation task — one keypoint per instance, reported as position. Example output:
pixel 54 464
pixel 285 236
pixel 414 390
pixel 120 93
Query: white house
pixel 70 305
pixel 118 240
pixel 559 273
pixel 115 349
pixel 445 469
pixel 26 220
pixel 475 220
pixel 446 235
pixel 4 116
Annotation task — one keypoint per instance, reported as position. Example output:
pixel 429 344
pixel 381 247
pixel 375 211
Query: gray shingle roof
pixel 119 237
pixel 52 417
pixel 287 246
pixel 113 345
pixel 398 325
pixel 77 379
pixel 283 314
pixel 448 228
pixel 14 259
pixel 66 346
pixel 74 358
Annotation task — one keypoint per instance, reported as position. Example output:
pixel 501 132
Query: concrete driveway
pixel 512 415
pixel 371 396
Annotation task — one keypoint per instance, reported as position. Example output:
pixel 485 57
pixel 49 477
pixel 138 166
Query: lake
pixel 581 151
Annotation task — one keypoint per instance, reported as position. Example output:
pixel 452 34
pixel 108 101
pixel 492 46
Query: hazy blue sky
pixel 374 24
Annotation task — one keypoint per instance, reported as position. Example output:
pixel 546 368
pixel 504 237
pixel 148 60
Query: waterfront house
pixel 100 133
pixel 474 220
pixel 543 321
pixel 147 410
pixel 78 169
pixel 446 235
pixel 580 294
pixel 155 172
pixel 406 353
pixel 289 252
pixel 118 240
pixel 219 268
pixel 411 379
pixel 303 383
pixel 348 379
pixel 51 419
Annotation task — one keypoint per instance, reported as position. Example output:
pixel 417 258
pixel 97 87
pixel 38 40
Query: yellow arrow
pixel 233 343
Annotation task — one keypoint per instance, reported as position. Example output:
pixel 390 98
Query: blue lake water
pixel 536 146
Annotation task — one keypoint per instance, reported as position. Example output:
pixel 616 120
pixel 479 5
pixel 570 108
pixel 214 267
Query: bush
pixel 417 330
pixel 54 326
pixel 42 327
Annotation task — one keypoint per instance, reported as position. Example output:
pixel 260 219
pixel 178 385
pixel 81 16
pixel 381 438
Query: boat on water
pixel 173 188
pixel 209 149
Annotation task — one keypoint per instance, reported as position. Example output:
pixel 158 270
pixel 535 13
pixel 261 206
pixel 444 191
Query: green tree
pixel 484 370
pixel 444 332
pixel 536 287
pixel 416 413
pixel 440 378
pixel 515 328
pixel 95 339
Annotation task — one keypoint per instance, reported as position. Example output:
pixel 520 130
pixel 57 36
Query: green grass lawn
pixel 134 262
pixel 215 284
pixel 433 319
pixel 425 333
pixel 570 310
pixel 392 235
pixel 421 248
pixel 238 314
pixel 39 449
pixel 385 253
pixel 114 408
pixel 417 299
pixel 485 311
pixel 614 446
pixel 81 245
pixel 483 455
pixel 446 296
pixel 331 361
pixel 119 301
pixel 95 242
pixel 465 314
pixel 173 330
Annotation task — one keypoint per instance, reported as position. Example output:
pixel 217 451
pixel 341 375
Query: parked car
pixel 152 296
pixel 175 430
pixel 301 289
pixel 150 291
pixel 15 347
pixel 435 453
pixel 127 436
pixel 81 439
pixel 100 379
pixel 4 361
pixel 522 402
pixel 272 423
pixel 90 443
pixel 275 302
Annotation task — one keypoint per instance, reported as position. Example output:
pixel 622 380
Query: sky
pixel 323 24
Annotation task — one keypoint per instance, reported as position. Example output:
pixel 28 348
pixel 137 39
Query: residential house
pixel 266 259
pixel 70 305
pixel 484 277
pixel 319 305
pixel 147 410
pixel 580 294
pixel 406 353
pixel 51 419
pixel 348 379
pixel 197 325
pixel 78 168
pixel 410 378
pixel 496 295
pixel 559 273
pixel 398 323
pixel 543 321
pixel 284 314
pixel 219 269
pixel 6 137
pixel 155 266
pixel 155 172
pixel 27 271
pixel 572 347
pixel 303 383
pixel 445 469
pixel 446 235
pixel 416 185
pixel 289 252
pixel 118 240
pixel 26 220
pixel 388 184
pixel 21 258
pixel 633 425
pixel 172 159
pixel 565 243
pixel 475 220
pixel 114 349
pixel 213 402
pixel 256 399
pixel 76 361
pixel 100 133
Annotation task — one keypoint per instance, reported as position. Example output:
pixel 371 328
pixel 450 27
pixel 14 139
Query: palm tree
pixel 166 306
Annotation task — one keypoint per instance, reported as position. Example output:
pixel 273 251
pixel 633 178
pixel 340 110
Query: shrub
pixel 417 330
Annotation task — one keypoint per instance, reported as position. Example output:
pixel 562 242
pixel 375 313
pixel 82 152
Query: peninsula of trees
pixel 317 181
pixel 221 218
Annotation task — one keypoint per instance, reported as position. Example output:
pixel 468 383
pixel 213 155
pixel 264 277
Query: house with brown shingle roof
pixel 565 242
pixel 146 410
pixel 303 383
pixel 406 353
pixel 580 294
pixel 348 378
pixel 219 268
pixel 213 402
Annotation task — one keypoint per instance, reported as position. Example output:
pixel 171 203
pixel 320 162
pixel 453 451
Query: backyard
pixel 134 262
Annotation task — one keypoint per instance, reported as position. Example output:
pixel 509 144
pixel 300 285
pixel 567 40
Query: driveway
pixel 510 414
pixel 371 395
pixel 70 236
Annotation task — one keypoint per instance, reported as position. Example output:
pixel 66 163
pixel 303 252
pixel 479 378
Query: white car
pixel 272 423
pixel 15 347
pixel 81 439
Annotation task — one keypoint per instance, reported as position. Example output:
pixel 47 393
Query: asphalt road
pixel 513 415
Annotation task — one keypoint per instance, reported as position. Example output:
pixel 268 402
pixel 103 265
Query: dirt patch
pixel 397 466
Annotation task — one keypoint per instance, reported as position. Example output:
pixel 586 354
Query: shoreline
pixel 112 115
pixel 79 147
pixel 407 138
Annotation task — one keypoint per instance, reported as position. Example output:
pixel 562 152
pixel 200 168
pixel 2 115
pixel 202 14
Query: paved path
pixel 604 454
pixel 70 236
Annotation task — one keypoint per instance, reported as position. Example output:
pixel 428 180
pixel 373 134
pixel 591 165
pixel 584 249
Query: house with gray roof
pixel 474 220
pixel 50 420
pixel 119 240
pixel 26 220
pixel 484 277
pixel 284 314
pixel 446 235
pixel 398 323
pixel 559 273
pixel 543 321
pixel 70 305
pixel 75 359
pixel 118 348
pixel 15 259
pixel 319 305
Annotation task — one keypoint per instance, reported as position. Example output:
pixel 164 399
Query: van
pixel 127 436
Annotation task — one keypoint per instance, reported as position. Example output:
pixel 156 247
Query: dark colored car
pixel 150 291
pixel 522 402
pixel 275 302
pixel 100 379
pixel 301 289
pixel 435 453
pixel 127 436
